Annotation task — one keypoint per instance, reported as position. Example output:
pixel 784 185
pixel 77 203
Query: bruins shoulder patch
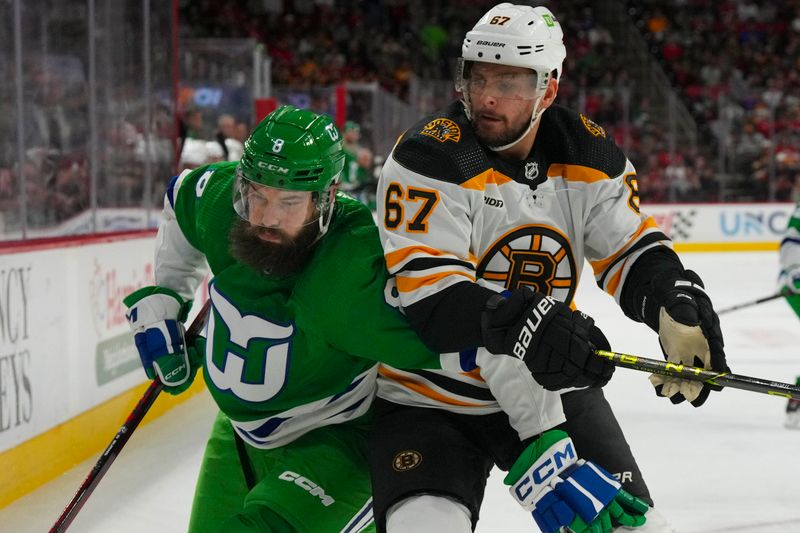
pixel 593 128
pixel 442 129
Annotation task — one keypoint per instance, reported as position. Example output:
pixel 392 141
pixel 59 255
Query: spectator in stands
pixel 226 138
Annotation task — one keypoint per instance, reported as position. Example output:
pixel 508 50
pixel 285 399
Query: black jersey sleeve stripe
pixel 457 387
pixel 425 263
pixel 647 240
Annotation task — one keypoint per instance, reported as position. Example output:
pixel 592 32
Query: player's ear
pixel 550 93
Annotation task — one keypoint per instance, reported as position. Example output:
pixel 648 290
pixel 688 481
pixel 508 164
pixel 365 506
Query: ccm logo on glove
pixel 174 373
pixel 562 455
pixel 530 327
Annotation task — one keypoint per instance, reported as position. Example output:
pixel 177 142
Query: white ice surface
pixel 728 466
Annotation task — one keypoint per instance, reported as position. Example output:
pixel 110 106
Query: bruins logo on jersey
pixel 442 129
pixel 593 128
pixel 406 460
pixel 537 256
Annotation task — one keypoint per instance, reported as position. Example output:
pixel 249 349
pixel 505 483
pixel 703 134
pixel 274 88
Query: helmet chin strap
pixel 325 214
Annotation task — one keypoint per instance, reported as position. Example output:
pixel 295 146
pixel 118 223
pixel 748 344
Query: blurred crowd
pixel 746 51
pixel 735 65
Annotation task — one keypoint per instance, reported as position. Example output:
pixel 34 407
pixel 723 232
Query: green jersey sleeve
pixel 351 270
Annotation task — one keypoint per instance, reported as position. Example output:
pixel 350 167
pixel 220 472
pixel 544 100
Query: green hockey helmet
pixel 294 150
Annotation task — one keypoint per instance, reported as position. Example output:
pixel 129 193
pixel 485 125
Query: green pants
pixel 318 483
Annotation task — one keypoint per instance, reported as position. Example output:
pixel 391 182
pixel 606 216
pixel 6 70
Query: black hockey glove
pixel 689 333
pixel 556 343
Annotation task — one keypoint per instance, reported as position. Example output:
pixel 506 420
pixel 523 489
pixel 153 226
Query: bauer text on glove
pixel 556 343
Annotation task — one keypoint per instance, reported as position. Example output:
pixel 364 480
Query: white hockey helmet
pixel 517 36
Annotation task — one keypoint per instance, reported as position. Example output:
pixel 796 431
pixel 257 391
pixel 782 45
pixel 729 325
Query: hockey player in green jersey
pixel 297 273
pixel 302 310
pixel 789 284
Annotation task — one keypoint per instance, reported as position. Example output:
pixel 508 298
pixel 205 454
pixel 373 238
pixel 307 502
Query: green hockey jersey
pixel 286 355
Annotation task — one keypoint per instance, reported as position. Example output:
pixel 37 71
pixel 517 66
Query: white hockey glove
pixel 561 491
pixel 689 333
pixel 789 280
pixel 155 315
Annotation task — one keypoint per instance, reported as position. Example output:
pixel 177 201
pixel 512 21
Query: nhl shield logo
pixel 531 170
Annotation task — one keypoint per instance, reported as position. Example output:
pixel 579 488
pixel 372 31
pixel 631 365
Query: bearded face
pixel 271 250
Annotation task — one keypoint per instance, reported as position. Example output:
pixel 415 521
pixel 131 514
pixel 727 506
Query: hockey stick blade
pixel 115 447
pixel 722 379
pixel 749 304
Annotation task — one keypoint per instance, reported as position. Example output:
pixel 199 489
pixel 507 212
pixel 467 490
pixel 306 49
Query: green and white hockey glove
pixel 155 315
pixel 688 330
pixel 561 491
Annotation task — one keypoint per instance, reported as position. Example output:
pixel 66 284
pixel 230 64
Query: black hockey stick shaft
pixel 749 304
pixel 118 442
pixel 722 379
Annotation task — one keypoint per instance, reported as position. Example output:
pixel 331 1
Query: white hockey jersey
pixel 451 210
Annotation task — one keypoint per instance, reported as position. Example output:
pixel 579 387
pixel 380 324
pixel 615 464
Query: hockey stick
pixel 754 302
pixel 104 463
pixel 712 377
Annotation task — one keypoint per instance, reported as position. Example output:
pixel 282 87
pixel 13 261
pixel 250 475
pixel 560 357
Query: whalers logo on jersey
pixel 442 129
pixel 593 128
pixel 537 256
pixel 246 354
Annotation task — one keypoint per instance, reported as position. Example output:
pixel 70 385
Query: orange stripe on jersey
pixel 423 389
pixel 475 374
pixel 408 284
pixel 576 173
pixel 601 265
pixel 613 282
pixel 398 256
pixel 479 182
pixel 495 276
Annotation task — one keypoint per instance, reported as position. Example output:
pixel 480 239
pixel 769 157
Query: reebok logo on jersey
pixel 442 129
pixel 533 322
pixel 307 485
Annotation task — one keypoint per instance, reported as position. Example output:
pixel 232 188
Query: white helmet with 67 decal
pixel 518 36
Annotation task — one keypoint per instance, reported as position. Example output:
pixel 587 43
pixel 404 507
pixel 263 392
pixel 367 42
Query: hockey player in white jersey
pixel 789 284
pixel 488 210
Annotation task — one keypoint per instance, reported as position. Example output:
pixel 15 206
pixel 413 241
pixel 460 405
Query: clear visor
pixel 508 86
pixel 270 207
